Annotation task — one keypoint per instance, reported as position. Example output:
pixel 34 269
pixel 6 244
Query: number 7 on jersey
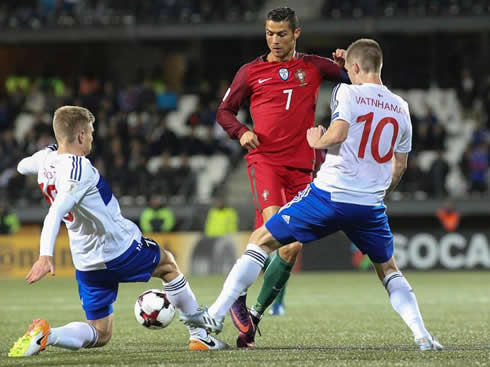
pixel 289 92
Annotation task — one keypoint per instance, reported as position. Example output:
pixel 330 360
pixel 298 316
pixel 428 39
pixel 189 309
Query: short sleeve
pixel 340 102
pixel 76 177
pixel 405 143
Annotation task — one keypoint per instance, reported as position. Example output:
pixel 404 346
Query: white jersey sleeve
pixel 30 165
pixel 405 143
pixel 340 104
pixel 51 226
pixel 75 178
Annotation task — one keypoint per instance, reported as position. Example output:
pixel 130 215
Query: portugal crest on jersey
pixel 284 73
pixel 301 76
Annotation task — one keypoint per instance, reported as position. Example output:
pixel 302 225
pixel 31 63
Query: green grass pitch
pixel 334 319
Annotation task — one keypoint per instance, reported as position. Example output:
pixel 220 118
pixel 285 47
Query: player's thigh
pixel 306 218
pixel 368 229
pixel 293 181
pixel 288 252
pixel 296 181
pixel 98 291
pixel 267 190
pixel 104 329
pixel 138 263
pixel 269 212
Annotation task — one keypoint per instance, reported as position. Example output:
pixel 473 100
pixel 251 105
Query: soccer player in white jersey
pixel 368 142
pixel 107 249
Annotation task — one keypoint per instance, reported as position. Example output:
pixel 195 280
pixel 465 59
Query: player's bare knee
pixel 290 252
pixel 104 331
pixel 263 238
pixel 386 268
pixel 167 268
pixel 104 336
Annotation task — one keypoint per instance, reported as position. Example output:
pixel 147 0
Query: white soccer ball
pixel 153 309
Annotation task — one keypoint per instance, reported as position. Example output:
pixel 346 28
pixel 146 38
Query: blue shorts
pixel 312 215
pixel 98 288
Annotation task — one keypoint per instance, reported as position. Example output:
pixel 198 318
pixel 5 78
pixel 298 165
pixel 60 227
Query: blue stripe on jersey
pixel 72 168
pixel 79 168
pixel 335 115
pixel 104 190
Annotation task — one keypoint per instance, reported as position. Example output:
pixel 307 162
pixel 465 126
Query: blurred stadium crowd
pixel 134 146
pixel 67 13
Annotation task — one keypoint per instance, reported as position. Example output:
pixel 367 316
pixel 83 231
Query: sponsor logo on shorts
pixel 265 195
pixel 286 218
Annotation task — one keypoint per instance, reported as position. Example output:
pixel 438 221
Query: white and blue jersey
pixel 348 191
pixel 106 247
pixel 98 232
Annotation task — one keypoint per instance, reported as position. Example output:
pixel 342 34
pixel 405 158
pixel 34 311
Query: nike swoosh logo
pixel 40 340
pixel 263 80
pixel 236 320
pixel 209 343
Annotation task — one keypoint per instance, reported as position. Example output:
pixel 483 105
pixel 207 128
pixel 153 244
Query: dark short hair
pixel 368 52
pixel 284 14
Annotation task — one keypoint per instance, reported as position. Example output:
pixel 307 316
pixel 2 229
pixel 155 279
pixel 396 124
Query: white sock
pixel 74 335
pixel 404 302
pixel 245 271
pixel 180 294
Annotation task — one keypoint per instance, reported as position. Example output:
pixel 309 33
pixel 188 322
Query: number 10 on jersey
pixel 368 119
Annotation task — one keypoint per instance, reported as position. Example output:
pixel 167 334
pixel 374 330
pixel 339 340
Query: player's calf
pixel 290 252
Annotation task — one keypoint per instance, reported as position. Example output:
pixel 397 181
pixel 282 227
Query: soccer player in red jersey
pixel 282 87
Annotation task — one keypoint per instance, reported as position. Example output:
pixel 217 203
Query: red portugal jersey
pixel 282 103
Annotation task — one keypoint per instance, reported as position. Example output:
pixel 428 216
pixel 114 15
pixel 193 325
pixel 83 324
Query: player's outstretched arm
pixel 29 165
pixel 62 204
pixel 337 132
pixel 41 267
pixel 399 166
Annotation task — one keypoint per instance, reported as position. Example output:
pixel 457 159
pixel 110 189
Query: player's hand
pixel 41 267
pixel 339 57
pixel 314 135
pixel 249 140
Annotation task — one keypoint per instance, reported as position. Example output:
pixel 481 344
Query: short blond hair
pixel 69 120
pixel 368 54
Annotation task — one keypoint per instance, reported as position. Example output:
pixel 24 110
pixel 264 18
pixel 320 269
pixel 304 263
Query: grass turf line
pixel 336 319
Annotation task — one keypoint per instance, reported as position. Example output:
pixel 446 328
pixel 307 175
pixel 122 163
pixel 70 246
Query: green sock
pixel 267 263
pixel 275 278
pixel 280 297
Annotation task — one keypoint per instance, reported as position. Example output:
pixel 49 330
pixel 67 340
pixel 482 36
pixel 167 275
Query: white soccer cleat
pixel 208 343
pixel 202 319
pixel 34 340
pixel 429 343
